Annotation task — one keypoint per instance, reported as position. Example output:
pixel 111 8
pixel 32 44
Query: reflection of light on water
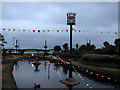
pixel 59 74
pixel 21 67
pixel 26 77
pixel 31 77
pixel 32 65
pixel 48 62
pixel 32 54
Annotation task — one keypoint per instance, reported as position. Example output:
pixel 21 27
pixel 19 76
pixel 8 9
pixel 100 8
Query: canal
pixel 48 75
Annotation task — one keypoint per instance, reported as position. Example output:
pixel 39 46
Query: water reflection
pixel 36 64
pixel 25 76
pixel 65 70
pixel 48 71
pixel 70 87
pixel 45 64
pixel 29 62
pixel 17 65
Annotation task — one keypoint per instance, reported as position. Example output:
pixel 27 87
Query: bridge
pixel 21 51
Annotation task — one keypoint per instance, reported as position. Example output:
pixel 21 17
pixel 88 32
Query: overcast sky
pixel 90 16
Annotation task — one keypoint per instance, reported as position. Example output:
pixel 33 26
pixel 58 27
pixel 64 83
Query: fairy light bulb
pixel 90 86
pixel 97 74
pixel 86 70
pixel 87 84
pixel 91 73
pixel 102 76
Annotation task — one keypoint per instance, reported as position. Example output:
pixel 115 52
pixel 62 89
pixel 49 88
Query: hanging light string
pixel 80 31
pixel 86 70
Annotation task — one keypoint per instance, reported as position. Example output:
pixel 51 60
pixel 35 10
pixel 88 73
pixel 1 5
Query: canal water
pixel 48 75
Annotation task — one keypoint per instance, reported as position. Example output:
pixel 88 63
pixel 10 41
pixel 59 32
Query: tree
pixel 65 46
pixel 82 48
pixel 92 47
pixel 111 50
pixel 57 48
pixel 106 44
pixel 77 46
pixel 116 42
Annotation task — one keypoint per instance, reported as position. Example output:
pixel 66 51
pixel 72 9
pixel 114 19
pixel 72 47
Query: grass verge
pixel 101 58
pixel 7 76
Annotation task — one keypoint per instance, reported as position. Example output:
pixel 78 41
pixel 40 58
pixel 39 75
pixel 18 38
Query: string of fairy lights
pixel 77 68
pixel 75 30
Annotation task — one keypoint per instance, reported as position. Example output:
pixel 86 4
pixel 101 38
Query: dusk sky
pixel 90 16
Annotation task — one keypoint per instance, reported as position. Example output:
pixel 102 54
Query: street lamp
pixel 71 18
pixel 70 21
pixel 70 81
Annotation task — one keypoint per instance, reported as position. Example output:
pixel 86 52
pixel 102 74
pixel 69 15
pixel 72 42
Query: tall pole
pixel 70 21
pixel 13 42
pixel 70 70
pixel 16 45
pixel 119 46
pixel 70 81
pixel 45 44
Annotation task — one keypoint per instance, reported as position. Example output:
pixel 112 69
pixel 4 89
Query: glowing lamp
pixel 86 70
pixel 102 76
pixel 90 86
pixel 87 84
